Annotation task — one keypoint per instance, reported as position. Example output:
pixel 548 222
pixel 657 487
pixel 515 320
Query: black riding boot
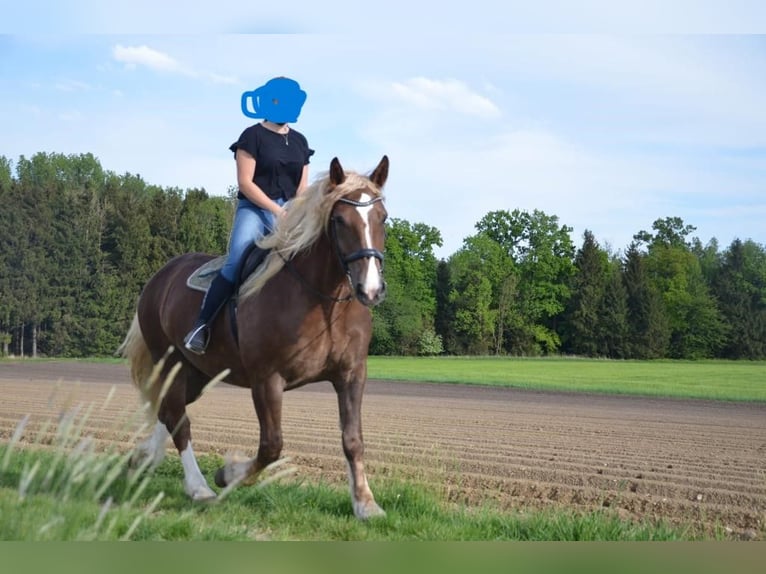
pixel 217 294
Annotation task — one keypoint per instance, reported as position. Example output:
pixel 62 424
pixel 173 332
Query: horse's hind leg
pixel 172 413
pixel 350 408
pixel 267 398
pixel 152 450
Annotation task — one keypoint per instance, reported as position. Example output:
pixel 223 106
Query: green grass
pixel 709 379
pixel 70 491
pixel 287 510
pixel 103 360
pixel 704 379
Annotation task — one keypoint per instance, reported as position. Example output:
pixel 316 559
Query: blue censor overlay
pixel 279 100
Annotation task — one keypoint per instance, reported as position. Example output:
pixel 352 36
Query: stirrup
pixel 197 339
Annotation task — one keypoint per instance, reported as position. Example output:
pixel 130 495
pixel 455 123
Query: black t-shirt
pixel 279 159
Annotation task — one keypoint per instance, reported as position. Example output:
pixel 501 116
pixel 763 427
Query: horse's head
pixel 357 225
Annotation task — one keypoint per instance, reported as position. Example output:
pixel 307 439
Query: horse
pixel 304 316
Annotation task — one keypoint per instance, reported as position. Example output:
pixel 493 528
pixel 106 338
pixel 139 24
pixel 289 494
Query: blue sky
pixel 608 131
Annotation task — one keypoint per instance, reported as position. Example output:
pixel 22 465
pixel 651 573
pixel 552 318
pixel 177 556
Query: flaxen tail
pixel 143 371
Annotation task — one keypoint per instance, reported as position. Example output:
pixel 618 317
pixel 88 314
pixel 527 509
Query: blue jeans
pixel 251 223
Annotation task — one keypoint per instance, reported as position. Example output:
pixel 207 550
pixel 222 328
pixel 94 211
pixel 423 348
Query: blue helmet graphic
pixel 279 100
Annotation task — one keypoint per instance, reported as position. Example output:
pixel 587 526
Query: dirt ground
pixel 686 461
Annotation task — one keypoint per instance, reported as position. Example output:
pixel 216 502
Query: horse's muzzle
pixel 370 299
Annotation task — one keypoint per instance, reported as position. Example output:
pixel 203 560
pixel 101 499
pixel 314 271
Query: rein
pixel 343 259
pixel 314 290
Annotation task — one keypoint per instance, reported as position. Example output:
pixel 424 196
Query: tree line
pixel 78 243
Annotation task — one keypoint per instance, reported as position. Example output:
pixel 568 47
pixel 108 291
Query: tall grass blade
pixel 15 438
pixel 149 509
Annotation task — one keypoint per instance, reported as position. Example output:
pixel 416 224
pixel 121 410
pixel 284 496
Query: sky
pixel 606 126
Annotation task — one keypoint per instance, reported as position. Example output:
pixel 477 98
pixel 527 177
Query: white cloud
pixel 450 173
pixel 135 56
pixel 449 95
pixel 607 132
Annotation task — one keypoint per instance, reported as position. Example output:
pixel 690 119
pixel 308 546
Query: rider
pixel 272 168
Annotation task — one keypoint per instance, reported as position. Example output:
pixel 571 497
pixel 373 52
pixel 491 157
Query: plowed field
pixel 693 462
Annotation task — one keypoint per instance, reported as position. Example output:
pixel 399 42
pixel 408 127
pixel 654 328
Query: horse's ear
pixel 337 175
pixel 380 174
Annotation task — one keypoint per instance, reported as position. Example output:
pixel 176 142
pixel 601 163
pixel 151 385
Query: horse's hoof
pixel 202 494
pixel 220 477
pixel 138 463
pixel 368 511
pixel 204 497
pixel 146 459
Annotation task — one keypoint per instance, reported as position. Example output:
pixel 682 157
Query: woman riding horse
pixel 303 317
pixel 272 168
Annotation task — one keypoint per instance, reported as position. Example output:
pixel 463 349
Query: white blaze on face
pixel 372 279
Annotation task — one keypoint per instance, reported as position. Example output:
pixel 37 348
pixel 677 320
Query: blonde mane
pixel 305 218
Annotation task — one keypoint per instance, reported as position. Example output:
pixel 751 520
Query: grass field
pixel 70 506
pixel 74 493
pixel 718 380
pixel 706 379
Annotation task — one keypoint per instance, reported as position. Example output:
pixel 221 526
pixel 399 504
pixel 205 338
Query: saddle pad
pixel 201 278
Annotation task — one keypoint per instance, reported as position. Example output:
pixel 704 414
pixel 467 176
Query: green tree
pixel 696 328
pixel 740 287
pixel 34 277
pixel 128 241
pixel 583 312
pixel 668 232
pixel 709 258
pixel 613 315
pixel 480 278
pixel 648 332
pixel 77 245
pixel 470 297
pixel 205 222
pixel 404 322
pixel 8 244
pixel 444 316
pixel 542 251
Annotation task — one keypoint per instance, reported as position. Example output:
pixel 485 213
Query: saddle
pixel 201 277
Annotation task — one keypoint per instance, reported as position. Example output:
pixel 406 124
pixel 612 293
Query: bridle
pixel 343 259
pixel 361 253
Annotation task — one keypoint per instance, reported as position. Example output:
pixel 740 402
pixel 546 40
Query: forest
pixel 78 243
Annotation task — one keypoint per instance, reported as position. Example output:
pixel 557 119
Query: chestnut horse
pixel 304 316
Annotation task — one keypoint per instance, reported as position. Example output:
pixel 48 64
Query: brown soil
pixel 699 463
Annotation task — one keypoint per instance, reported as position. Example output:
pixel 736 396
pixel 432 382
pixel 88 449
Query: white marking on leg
pixel 364 506
pixel 194 482
pixel 153 448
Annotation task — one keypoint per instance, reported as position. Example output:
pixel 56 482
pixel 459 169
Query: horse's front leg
pixel 350 407
pixel 267 398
